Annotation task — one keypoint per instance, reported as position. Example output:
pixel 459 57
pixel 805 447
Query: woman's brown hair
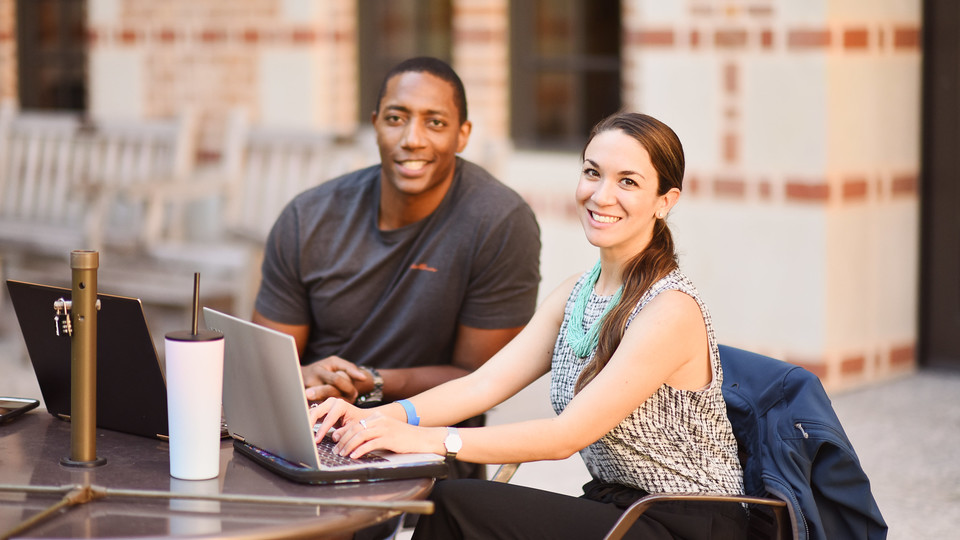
pixel 659 258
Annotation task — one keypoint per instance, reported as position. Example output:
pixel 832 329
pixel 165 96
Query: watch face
pixel 452 443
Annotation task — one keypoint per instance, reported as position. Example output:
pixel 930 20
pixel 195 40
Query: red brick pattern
pixel 805 191
pixel 287 35
pixel 764 190
pixel 731 143
pixel 729 188
pixel 694 39
pixel 845 190
pixel 855 189
pixel 651 38
pixel 479 36
pixel 853 365
pixel 204 54
pixel 481 39
pixel 817 367
pixel 808 38
pixel 903 356
pixel 856 38
pixel 730 38
pixel 846 38
pixel 766 39
pixel 851 369
pixel 904 185
pixel 906 37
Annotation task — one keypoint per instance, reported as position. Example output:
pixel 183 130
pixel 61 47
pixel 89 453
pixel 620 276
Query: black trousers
pixel 478 509
pixel 456 469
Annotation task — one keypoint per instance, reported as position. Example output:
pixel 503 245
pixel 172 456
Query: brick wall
pixel 291 64
pixel 481 48
pixel 287 63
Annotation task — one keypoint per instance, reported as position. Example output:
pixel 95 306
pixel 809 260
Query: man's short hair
pixel 436 67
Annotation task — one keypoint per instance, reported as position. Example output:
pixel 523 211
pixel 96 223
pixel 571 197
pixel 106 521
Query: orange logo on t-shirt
pixel 422 266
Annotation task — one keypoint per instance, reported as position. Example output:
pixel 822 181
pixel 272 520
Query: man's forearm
pixel 406 382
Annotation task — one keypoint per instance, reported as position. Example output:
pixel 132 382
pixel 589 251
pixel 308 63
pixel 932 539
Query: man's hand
pixel 335 377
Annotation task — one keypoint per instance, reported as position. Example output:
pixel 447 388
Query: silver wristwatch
pixel 374 396
pixel 452 443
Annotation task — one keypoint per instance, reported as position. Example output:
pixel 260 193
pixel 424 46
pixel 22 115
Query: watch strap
pixel 374 396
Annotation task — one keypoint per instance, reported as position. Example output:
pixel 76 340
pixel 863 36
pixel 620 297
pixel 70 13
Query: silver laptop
pixel 267 413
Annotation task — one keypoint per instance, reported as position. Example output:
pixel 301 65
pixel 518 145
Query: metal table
pixel 31 447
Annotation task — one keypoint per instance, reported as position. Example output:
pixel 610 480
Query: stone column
pixel 801 125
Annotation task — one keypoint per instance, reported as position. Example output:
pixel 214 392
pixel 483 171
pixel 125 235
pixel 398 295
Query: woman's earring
pixel 659 215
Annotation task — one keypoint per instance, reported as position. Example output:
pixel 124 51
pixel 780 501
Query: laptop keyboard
pixel 329 458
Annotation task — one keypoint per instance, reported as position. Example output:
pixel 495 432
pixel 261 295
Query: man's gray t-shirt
pixel 394 298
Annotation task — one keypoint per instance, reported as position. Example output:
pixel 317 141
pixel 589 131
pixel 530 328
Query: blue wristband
pixel 412 417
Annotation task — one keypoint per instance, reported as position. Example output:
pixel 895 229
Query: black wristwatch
pixel 375 396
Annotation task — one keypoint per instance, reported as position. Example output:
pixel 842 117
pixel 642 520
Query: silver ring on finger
pixel 363 424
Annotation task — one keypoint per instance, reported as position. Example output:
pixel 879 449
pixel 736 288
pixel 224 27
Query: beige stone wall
pixel 801 127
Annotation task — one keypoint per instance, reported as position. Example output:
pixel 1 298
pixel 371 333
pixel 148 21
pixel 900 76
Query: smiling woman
pixel 645 194
pixel 619 195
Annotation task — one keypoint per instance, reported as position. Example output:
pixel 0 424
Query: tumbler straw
pixel 196 303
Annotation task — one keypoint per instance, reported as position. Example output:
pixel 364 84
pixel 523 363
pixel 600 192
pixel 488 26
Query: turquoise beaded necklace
pixel 584 342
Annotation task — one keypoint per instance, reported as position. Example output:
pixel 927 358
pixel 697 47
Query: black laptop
pixel 131 393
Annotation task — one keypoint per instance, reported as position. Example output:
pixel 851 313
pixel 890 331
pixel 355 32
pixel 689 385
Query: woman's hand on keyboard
pixel 377 431
pixel 335 413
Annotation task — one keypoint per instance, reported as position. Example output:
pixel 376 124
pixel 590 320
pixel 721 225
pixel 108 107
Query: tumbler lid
pixel 187 335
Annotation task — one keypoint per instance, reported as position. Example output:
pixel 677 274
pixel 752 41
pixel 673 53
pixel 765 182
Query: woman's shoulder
pixel 673 291
pixel 676 280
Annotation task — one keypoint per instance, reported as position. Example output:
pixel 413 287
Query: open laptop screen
pixel 267 412
pixel 131 394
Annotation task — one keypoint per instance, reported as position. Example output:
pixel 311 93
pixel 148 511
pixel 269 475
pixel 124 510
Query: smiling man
pixel 403 275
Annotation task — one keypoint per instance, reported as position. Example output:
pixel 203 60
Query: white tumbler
pixel 194 372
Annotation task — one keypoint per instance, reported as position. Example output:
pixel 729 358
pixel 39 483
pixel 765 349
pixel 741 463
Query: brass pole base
pixel 96 462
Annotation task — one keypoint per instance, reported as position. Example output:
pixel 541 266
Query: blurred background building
pixel 818 210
